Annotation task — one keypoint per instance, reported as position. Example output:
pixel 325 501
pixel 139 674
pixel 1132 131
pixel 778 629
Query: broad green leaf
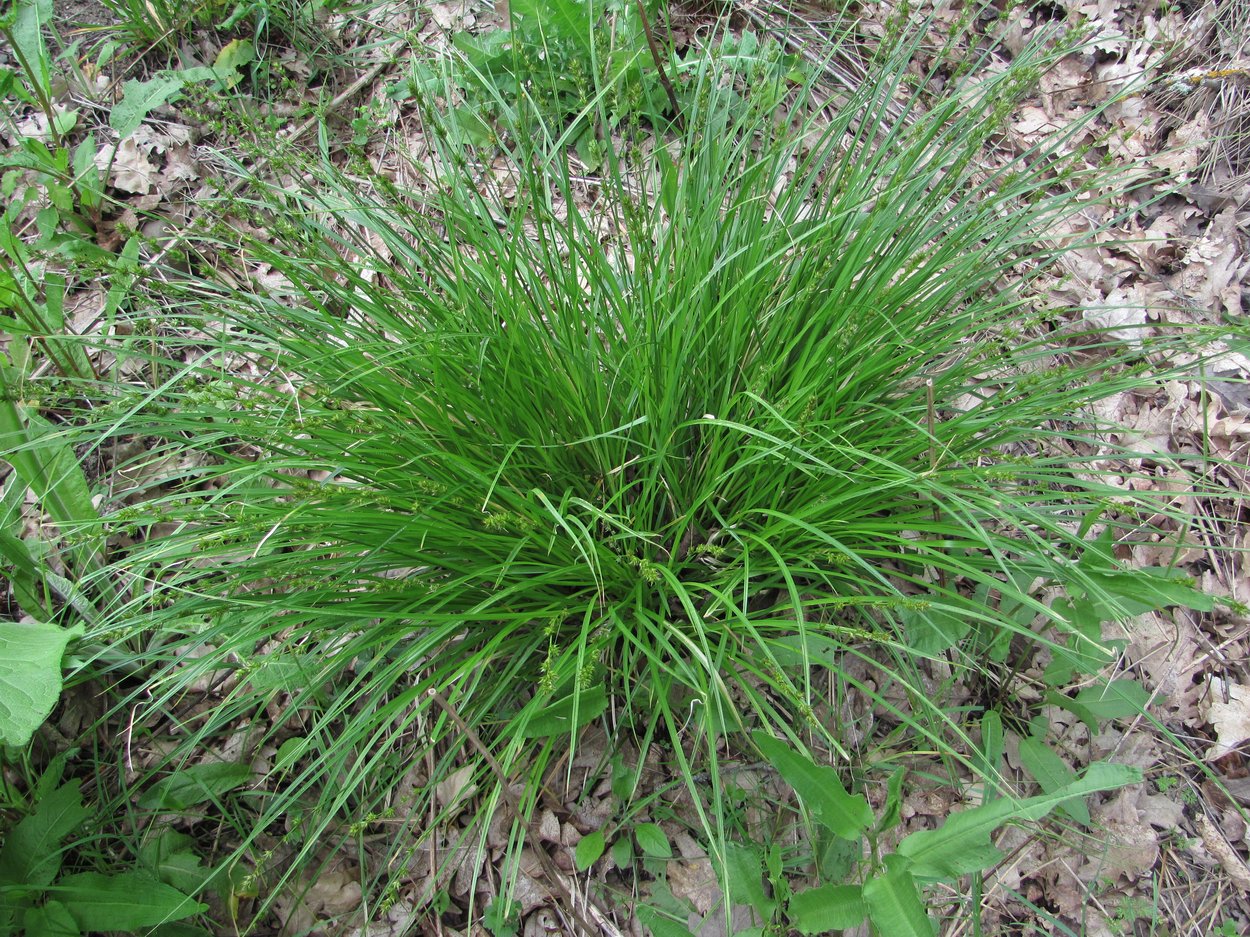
pixel 195 785
pixel 623 852
pixel 232 57
pixel 894 903
pixel 744 871
pixel 891 813
pixel 803 650
pixel 52 919
pixel 991 750
pixel 660 924
pixel 127 901
pixel 826 908
pixel 1051 773
pixel 170 856
pixel 962 844
pixel 1149 588
pixel 568 714
pixel 30 676
pixel 23 574
pixel 64 121
pixel 819 787
pixel 87 180
pixel 27 38
pixel 140 98
pixel 1119 699
pixel 589 849
pixel 652 841
pixel 31 853
pixel 180 929
pixel 1087 651
pixel 935 629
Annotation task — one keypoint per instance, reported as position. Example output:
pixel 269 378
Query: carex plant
pixel 653 449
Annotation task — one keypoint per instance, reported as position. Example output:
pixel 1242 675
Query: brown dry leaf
pixel 180 166
pixel 400 921
pixel 1230 719
pixel 130 168
pixel 1214 267
pixel 694 881
pixel 1218 847
pixel 1129 845
pixel 455 788
pixel 1184 145
pixel 548 827
pixel 452 15
pixel 527 890
pixel 1033 124
pixel 1168 652
pixel 1122 314
pixel 1066 84
pixel 334 894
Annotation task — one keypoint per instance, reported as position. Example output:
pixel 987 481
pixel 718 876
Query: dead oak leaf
pixel 1228 712
pixel 1129 846
pixel 129 167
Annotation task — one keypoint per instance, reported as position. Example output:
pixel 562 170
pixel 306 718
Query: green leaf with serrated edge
pixel 826 908
pixel 589 849
pixel 568 714
pixel 30 675
pixel 1051 773
pixel 652 841
pixel 894 904
pixel 744 871
pixel 140 98
pixel 31 853
pixel 962 844
pixel 819 787
pixel 195 785
pixel 51 919
pixel 127 901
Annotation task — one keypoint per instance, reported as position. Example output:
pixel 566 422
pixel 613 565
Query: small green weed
pixel 887 889
pixel 36 897
pixel 584 69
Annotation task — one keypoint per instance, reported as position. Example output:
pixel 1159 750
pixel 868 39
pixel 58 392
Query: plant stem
pixel 659 66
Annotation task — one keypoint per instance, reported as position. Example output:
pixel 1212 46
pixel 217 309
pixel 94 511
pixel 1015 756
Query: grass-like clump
pixel 658 448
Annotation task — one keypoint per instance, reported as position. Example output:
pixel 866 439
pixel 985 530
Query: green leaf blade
pixel 30 676
pixel 894 903
pixel 819 787
pixel 123 902
pixel 827 907
pixel 195 785
pixel 962 844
